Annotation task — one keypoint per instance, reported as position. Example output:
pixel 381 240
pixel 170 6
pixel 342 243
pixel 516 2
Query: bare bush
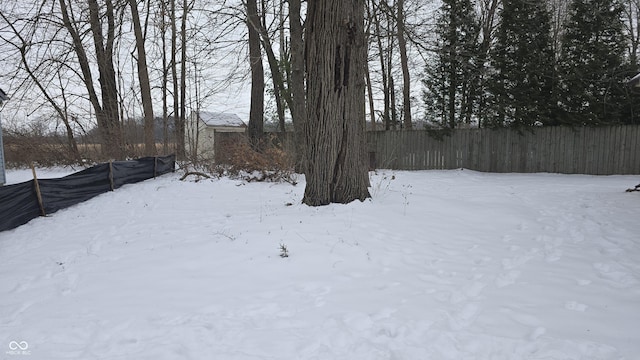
pixel 22 150
pixel 237 158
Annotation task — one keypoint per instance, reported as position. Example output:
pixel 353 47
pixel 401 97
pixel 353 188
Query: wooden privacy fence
pixel 585 150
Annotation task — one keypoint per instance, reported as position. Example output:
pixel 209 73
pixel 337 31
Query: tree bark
pixel 145 86
pixel 256 110
pixel 335 139
pixel 180 128
pixel 107 79
pixel 278 83
pixel 488 19
pixel 386 117
pixel 178 125
pixel 372 109
pixel 632 25
pixel 404 63
pixel 298 100
pixel 165 78
pixel 107 115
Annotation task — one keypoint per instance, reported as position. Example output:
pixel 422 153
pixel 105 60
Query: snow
pixel 438 265
pixel 221 119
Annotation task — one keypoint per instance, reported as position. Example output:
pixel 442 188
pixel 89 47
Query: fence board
pixel 629 146
pixel 633 143
pixel 616 141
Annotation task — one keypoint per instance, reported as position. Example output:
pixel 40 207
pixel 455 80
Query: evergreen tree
pixel 451 78
pixel 591 63
pixel 520 85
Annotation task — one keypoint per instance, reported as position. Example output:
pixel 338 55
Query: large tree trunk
pixel 298 102
pixel 335 139
pixel 256 110
pixel 145 86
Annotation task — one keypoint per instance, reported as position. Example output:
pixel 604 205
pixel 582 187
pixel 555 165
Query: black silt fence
pixel 20 203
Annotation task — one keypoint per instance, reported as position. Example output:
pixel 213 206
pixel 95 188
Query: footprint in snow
pixel 481 261
pixel 552 254
pixel 469 292
pixel 522 318
pixel 615 275
pixel 464 318
pixel 508 278
pixel 517 261
pixel 537 332
pixel 575 306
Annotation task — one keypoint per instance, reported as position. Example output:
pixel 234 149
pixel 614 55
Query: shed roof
pixel 635 81
pixel 221 119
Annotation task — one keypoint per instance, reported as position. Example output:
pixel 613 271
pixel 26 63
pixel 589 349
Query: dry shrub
pixel 264 161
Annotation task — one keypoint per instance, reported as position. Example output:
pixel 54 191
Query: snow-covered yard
pixel 438 265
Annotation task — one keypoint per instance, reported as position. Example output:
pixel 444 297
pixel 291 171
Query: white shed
pixel 201 129
pixel 3 178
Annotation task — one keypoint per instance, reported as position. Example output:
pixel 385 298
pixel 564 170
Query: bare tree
pixel 106 110
pixel 376 18
pixel 162 23
pixel 279 92
pixel 558 12
pixel 488 22
pixel 298 99
pixel 20 30
pixel 404 62
pixel 145 86
pixel 335 143
pixel 177 119
pixel 256 113
pixel 186 6
pixel 632 25
pixel 367 31
pixel 179 82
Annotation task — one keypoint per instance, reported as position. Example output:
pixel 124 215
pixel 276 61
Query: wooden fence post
pixel 111 175
pixel 38 193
